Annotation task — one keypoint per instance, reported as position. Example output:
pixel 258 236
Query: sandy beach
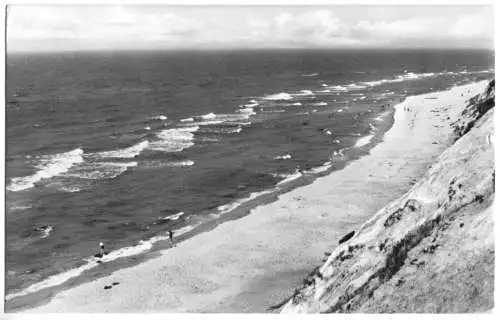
pixel 252 263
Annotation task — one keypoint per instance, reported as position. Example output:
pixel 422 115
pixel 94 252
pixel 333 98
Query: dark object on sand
pixel 305 122
pixel 98 255
pixel 346 237
pixel 171 237
pixel 107 287
pixel 115 283
pixel 461 224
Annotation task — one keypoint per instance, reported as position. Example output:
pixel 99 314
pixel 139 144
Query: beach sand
pixel 252 263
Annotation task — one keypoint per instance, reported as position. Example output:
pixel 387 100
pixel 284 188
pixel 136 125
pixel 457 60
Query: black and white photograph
pixel 249 158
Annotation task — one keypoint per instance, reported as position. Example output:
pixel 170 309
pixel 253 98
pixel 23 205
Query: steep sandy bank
pixel 431 250
pixel 249 264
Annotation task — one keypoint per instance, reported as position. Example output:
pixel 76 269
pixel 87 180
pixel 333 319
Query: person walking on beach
pixel 171 237
pixel 101 250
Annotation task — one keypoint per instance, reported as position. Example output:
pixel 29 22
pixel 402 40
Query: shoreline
pixel 242 208
pixel 290 200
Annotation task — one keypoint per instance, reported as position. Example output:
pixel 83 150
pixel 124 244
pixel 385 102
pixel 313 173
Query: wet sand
pixel 249 264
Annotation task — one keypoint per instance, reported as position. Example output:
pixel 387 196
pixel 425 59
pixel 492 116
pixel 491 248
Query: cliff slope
pixel 431 250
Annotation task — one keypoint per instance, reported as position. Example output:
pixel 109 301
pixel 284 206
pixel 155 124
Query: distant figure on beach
pixel 171 237
pixel 298 170
pixel 101 250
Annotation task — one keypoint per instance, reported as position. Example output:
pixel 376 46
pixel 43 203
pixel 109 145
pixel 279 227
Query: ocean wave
pixel 226 208
pixel 310 75
pixel 92 262
pixel 70 189
pixel 253 103
pixel 160 117
pixel 44 231
pixel 279 96
pixel 174 140
pixel 172 217
pixel 295 104
pixel 166 164
pixel 337 153
pixel 187 120
pixel 363 141
pixel 324 85
pixel 129 152
pixel 19 207
pixel 320 104
pixel 50 166
pixel 208 116
pixel 289 178
pixel 324 91
pixel 305 93
pixel 283 157
pixel 339 88
pixel 249 111
pixel 97 171
pixel 324 167
pixel 400 78
pixel 354 86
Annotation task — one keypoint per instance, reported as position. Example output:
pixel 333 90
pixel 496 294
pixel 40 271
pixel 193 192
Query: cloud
pixel 168 27
pixel 471 26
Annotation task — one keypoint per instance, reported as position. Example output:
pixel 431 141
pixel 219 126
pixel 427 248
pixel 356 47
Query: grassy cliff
pixel 431 250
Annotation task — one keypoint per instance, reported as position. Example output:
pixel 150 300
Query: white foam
pixel 147 128
pixel 253 103
pixel 305 93
pixel 70 189
pixel 174 140
pixel 187 120
pixel 98 170
pixel 283 157
pixel 310 75
pixel 279 96
pixel 50 166
pixel 209 116
pixel 363 141
pixel 324 85
pixel 324 91
pixel 172 217
pixel 290 177
pixel 186 163
pixel 46 232
pixel 322 168
pixel 340 110
pixel 296 104
pixel 320 104
pixel 249 111
pixel 207 123
pixel 337 153
pixel 60 278
pixel 160 117
pixel 129 152
pixel 339 88
pixel 226 208
pixel 355 86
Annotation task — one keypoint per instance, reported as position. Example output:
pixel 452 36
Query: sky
pixel 92 27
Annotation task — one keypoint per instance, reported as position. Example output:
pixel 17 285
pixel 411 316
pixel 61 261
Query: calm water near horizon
pixel 121 147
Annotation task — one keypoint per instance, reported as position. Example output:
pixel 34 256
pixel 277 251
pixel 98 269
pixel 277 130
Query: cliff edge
pixel 431 250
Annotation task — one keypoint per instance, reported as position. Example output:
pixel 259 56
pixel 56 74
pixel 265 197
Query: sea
pixel 121 147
